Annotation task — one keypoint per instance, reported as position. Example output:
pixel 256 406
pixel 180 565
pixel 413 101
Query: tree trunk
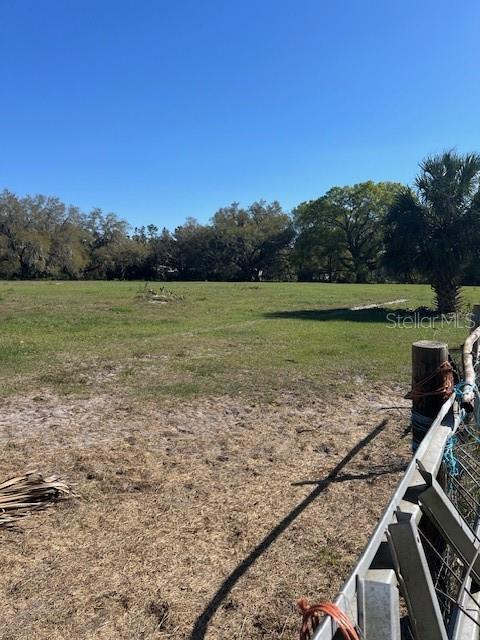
pixel 447 295
pixel 360 275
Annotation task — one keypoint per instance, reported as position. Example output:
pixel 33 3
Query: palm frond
pixel 22 495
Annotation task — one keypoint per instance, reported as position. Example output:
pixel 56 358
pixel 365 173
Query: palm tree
pixel 435 227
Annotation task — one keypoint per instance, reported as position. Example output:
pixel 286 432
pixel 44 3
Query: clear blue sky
pixel 159 110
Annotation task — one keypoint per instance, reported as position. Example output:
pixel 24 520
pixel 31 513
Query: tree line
pixel 368 232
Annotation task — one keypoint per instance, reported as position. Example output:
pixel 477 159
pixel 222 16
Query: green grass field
pixel 215 338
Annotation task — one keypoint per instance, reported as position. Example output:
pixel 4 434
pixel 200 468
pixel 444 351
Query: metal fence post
pixel 378 605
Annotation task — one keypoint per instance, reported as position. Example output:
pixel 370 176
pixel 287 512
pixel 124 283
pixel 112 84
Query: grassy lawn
pixel 213 338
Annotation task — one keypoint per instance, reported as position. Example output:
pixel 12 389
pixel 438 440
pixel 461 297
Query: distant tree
pixel 255 241
pixel 107 239
pixel 437 225
pixel 194 250
pixel 126 259
pixel 24 247
pixel 64 240
pixel 343 230
pixel 40 237
pixel 140 235
pixel 161 262
pixel 152 231
pixel 404 233
pixel 319 252
pixel 358 212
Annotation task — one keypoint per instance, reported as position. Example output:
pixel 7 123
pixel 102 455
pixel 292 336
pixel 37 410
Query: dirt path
pixel 202 520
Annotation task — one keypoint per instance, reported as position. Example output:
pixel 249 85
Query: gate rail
pixel 370 596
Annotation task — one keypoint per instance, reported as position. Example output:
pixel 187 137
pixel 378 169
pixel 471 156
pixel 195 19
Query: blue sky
pixel 162 110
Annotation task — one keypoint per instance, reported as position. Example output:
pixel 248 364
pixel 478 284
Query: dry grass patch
pixel 243 506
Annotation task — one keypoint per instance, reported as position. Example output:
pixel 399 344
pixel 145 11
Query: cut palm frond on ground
pixel 22 495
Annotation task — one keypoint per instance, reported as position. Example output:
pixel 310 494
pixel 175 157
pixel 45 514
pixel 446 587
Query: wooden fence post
pixel 428 379
pixel 475 315
pixel 475 320
pixel 470 351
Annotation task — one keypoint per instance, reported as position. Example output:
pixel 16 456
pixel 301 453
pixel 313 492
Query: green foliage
pixel 340 236
pixel 195 252
pixel 434 230
pixel 41 237
pixel 319 253
pixel 361 233
pixel 256 239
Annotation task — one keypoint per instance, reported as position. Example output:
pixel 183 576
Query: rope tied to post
pixel 311 619
pixel 446 370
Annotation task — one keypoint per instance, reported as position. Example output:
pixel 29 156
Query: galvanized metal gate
pixel 419 576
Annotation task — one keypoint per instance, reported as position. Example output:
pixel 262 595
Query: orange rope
pixel 311 619
pixel 445 389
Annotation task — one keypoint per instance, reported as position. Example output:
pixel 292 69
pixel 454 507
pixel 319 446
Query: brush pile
pixel 22 495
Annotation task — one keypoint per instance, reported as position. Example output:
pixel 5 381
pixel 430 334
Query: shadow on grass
pixel 345 477
pixel 201 624
pixel 377 314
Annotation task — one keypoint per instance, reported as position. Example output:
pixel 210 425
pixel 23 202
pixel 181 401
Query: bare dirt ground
pixel 206 519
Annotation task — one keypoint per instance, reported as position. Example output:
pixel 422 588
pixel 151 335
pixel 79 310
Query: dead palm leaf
pixel 30 492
